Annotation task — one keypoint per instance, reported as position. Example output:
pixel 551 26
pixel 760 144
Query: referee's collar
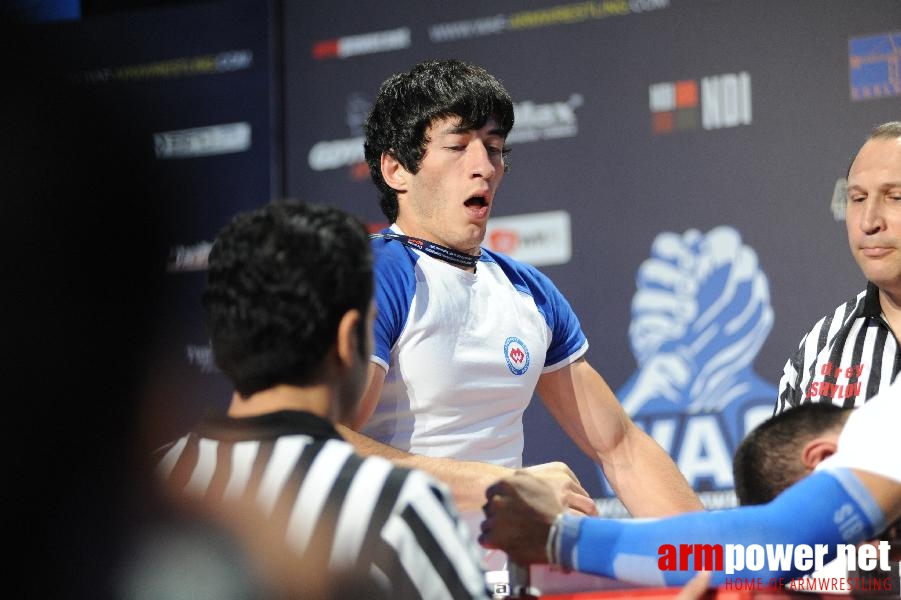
pixel 267 426
pixel 871 306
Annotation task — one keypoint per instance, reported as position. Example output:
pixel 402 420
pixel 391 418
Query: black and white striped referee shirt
pixel 395 526
pixel 845 359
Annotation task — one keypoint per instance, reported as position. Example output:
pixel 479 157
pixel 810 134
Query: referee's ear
pixel 347 345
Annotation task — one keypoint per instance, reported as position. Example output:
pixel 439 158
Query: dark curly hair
pixel 407 103
pixel 280 278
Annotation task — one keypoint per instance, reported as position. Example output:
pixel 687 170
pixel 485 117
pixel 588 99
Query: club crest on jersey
pixel 517 355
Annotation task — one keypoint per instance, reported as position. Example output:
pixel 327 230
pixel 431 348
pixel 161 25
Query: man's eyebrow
pixel 461 129
pixel 882 186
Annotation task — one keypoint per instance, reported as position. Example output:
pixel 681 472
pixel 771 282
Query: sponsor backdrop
pixel 195 89
pixel 673 169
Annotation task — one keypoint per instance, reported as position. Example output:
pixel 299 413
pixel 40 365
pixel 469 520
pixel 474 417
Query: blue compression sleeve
pixel 828 507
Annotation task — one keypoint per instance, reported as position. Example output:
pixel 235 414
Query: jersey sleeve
pixel 395 285
pixel 568 342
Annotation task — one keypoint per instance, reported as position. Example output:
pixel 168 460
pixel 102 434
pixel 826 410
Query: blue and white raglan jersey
pixel 463 351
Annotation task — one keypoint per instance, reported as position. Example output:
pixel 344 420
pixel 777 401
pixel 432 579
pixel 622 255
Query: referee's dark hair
pixel 280 279
pixel 769 459
pixel 408 102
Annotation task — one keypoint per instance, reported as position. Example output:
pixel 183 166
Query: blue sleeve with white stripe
pixel 828 507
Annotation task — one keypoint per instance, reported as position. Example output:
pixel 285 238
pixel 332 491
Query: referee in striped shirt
pixel 289 310
pixel 852 353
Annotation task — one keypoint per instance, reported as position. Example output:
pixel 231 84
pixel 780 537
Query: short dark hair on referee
pixel 768 460
pixel 280 278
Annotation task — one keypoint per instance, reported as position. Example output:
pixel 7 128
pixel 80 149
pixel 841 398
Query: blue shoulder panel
pixel 567 335
pixel 395 285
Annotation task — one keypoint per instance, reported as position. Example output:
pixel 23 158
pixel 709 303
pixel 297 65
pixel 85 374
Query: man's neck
pixel 317 399
pixel 470 258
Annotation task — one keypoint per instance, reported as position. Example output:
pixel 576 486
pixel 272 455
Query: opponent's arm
pixel 643 476
pixel 829 507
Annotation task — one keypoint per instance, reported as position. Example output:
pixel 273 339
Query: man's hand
pixel 566 487
pixel 518 517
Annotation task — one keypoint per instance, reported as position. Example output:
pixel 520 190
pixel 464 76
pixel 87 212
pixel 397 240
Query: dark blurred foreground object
pixel 80 270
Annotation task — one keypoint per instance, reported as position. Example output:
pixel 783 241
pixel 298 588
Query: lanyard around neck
pixel 432 249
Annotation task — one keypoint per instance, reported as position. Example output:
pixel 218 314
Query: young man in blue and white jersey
pixel 465 336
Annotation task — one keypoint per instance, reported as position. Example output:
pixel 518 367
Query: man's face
pixel 873 215
pixel 449 200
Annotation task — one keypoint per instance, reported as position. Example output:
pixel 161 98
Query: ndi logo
pixel 717 102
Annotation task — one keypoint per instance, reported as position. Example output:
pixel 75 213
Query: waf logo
pixel 517 355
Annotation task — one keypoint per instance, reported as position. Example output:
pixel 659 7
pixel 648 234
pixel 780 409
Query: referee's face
pixel 873 215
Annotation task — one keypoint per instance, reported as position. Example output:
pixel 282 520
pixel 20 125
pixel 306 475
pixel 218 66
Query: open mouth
pixel 476 202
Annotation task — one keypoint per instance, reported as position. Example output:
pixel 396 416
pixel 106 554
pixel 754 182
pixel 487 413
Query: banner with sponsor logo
pixel 194 89
pixel 673 168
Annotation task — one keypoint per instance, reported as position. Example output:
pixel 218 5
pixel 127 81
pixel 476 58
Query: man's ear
pixel 348 342
pixel 394 173
pixel 816 451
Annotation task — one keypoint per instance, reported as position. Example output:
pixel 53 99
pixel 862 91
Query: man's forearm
pixel 647 480
pixel 467 480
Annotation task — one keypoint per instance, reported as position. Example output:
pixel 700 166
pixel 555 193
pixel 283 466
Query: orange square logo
pixel 686 93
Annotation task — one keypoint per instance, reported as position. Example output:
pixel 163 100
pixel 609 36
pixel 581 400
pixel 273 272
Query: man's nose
pixel 482 160
pixel 873 218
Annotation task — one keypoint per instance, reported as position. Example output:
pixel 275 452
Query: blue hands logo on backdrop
pixel 700 314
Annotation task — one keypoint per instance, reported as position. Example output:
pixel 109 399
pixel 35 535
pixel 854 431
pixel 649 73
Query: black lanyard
pixel 434 250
